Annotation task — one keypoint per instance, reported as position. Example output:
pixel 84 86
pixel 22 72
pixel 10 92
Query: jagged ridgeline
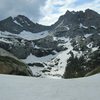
pixel 69 48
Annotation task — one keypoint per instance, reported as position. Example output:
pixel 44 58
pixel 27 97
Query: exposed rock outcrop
pixel 12 65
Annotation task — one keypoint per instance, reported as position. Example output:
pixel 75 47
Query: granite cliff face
pixel 69 48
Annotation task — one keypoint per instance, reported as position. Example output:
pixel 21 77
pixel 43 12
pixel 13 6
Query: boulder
pixel 9 64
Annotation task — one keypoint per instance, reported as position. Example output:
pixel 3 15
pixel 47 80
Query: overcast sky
pixel 45 12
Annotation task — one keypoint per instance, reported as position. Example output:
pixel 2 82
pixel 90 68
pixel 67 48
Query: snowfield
pixel 25 35
pixel 31 58
pixel 33 36
pixel 28 88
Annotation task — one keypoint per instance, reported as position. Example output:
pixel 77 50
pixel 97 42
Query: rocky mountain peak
pixel 78 23
pixel 21 23
pixel 89 11
pixel 9 25
pixel 90 14
pixel 89 17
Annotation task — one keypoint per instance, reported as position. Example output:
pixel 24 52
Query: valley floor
pixel 28 88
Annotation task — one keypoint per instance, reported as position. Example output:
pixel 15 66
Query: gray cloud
pixel 29 8
pixel 45 12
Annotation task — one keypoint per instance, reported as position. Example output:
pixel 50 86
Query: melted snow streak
pixel 28 88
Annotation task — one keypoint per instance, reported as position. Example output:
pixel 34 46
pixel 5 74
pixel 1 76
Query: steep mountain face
pixel 20 23
pixel 78 23
pixel 69 48
pixel 88 18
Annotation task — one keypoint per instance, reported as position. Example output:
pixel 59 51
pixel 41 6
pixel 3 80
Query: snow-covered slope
pixel 60 60
pixel 32 36
pixel 28 88
pixel 25 35
pixel 31 59
pixel 54 64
